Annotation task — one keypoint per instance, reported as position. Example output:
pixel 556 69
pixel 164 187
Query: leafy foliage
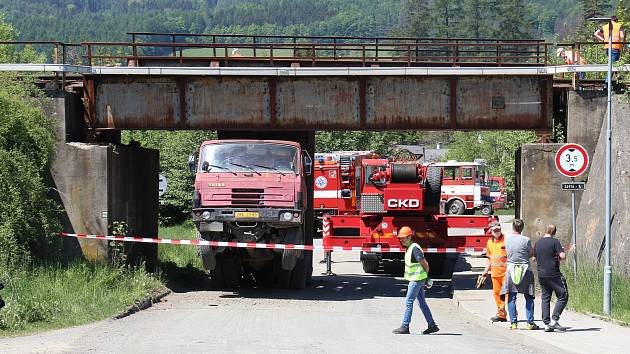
pixel 175 147
pixel 498 148
pixel 27 142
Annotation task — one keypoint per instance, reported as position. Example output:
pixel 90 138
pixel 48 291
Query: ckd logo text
pixel 403 203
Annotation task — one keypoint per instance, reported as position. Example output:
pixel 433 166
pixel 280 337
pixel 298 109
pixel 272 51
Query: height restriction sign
pixel 571 160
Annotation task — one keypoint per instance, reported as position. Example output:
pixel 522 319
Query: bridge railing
pixel 230 49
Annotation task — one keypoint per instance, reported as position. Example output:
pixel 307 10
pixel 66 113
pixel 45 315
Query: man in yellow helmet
pixel 618 36
pixel 416 272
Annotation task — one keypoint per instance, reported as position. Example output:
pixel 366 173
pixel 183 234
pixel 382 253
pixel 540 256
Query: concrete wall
pixel 586 111
pixel 541 200
pixel 98 184
pixel 590 223
pixel 133 195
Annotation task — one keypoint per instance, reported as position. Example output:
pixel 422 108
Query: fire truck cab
pixel 498 192
pixel 465 187
pixel 337 175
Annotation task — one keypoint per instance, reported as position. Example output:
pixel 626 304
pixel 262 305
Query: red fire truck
pixel 391 195
pixel 498 193
pixel 465 187
pixel 336 177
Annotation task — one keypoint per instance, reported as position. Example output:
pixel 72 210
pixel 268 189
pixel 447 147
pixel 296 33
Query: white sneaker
pixel 548 328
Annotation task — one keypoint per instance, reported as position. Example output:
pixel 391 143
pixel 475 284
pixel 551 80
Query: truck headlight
pixel 205 215
pixel 287 216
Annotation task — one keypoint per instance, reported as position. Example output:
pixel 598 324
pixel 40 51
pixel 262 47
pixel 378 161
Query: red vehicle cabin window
pixel 451 173
pixel 467 173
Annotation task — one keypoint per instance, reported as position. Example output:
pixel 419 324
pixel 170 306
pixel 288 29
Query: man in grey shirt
pixel 518 277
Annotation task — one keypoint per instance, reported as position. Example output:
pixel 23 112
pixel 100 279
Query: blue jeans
pixel 415 290
pixel 529 307
pixel 616 54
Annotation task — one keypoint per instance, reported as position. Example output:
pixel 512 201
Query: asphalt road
pixel 350 312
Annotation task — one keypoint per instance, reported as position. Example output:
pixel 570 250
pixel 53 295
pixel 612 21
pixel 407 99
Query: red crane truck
pixel 252 191
pixel 392 195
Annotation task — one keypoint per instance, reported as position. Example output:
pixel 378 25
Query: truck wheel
pixel 206 253
pixel 227 273
pixel 436 263
pixel 298 274
pixel 456 207
pixel 433 186
pixel 487 210
pixel 369 266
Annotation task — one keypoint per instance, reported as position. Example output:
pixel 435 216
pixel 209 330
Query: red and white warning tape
pixel 469 250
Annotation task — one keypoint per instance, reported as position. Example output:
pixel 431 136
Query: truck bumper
pixel 272 216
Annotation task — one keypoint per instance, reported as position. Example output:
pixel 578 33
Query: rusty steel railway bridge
pixel 236 82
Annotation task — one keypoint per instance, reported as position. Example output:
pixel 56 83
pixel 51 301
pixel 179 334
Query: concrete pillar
pixel 96 185
pixel 590 222
pixel 586 111
pixel 542 202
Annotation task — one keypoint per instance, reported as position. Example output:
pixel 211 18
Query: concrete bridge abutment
pixel 98 184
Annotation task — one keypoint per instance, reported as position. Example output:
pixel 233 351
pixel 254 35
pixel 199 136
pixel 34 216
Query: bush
pixel 27 142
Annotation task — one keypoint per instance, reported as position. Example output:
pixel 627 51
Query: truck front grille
pixel 372 203
pixel 247 196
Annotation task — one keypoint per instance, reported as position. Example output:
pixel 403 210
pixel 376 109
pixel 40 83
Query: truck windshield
pixel 245 157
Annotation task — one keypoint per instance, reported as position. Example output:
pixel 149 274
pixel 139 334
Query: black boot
pixel 431 329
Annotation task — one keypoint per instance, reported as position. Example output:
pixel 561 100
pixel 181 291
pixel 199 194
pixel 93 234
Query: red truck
pixel 392 195
pixel 498 192
pixel 252 191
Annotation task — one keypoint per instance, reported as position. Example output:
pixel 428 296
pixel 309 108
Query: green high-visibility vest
pixel 413 271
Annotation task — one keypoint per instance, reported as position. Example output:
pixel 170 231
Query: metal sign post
pixel 574 237
pixel 571 161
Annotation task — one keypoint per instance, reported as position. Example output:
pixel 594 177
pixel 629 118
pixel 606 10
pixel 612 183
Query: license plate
pixel 246 214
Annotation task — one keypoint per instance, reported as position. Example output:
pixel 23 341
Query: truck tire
pixel 433 186
pixel 456 207
pixel 298 274
pixel 208 259
pixel 436 261
pixel 487 210
pixel 369 266
pixel 227 273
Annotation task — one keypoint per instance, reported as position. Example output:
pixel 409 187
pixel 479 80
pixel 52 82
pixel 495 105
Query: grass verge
pixel 181 264
pixel 53 297
pixel 181 255
pixel 587 294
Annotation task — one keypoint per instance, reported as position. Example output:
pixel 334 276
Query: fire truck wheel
pixel 437 261
pixel 207 254
pixel 487 210
pixel 227 273
pixel 433 186
pixel 456 207
pixel 369 266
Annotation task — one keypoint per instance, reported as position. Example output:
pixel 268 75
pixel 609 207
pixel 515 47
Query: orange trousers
pixel 497 284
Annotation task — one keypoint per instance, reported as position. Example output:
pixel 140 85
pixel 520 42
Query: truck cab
pixel 251 191
pixel 465 187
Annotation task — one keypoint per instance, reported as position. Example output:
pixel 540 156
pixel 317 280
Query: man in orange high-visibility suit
pixel 497 265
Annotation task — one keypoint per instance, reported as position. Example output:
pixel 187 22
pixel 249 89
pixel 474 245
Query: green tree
pixel 497 147
pixel 175 147
pixel 27 143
